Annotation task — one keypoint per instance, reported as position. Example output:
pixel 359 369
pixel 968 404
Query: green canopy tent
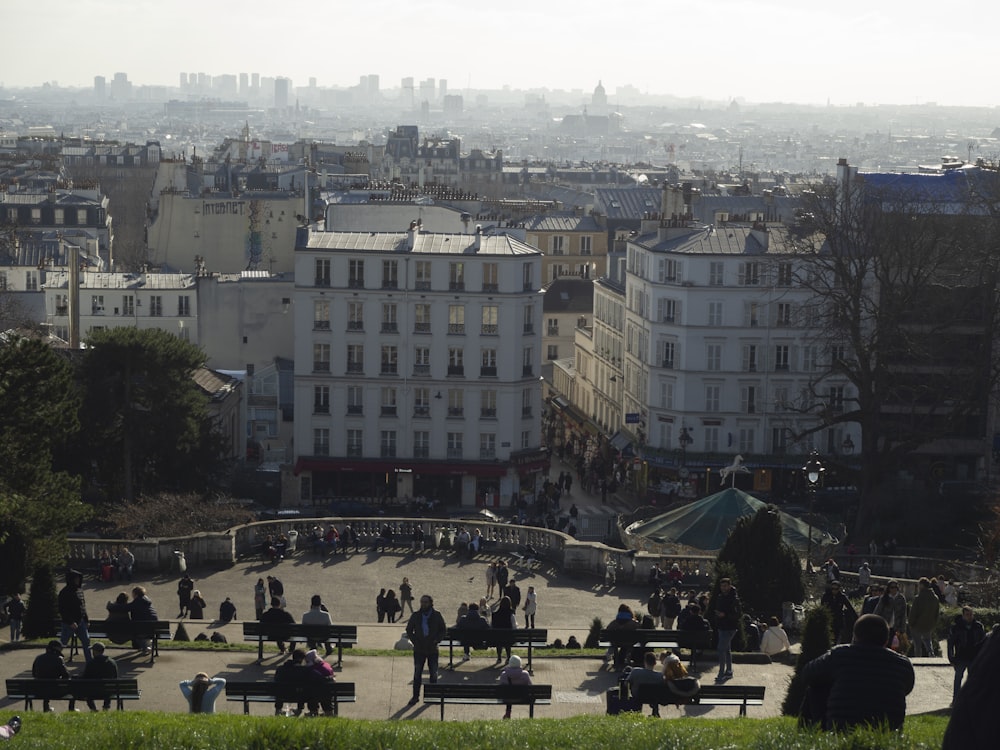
pixel 705 524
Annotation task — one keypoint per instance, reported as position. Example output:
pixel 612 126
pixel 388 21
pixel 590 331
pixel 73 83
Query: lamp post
pixel 847 447
pixel 813 472
pixel 685 440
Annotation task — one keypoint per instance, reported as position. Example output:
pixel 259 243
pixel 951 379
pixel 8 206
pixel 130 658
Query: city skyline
pixel 767 51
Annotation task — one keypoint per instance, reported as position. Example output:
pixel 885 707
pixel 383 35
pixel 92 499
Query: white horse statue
pixel 730 472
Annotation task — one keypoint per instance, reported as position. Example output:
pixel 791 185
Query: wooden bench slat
pixel 693 640
pixel 494 694
pixel 344 636
pixel 127 630
pixel 30 689
pixel 291 692
pixel 529 638
pixel 708 695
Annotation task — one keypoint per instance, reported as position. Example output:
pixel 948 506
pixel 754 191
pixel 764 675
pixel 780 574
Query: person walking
pixel 405 596
pixel 923 618
pixel 73 613
pixel 965 637
pixel 15 613
pixel 259 597
pixel 530 607
pixel 727 621
pixel 491 579
pixel 392 607
pixel 184 588
pixel 425 629
pixel 503 618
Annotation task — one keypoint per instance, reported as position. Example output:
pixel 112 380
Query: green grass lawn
pixel 137 729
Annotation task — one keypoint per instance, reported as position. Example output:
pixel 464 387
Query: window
pixel 321 441
pixel 749 273
pixel 781 402
pixel 355 443
pixel 456 319
pixel 422 318
pixel 668 270
pixel 491 317
pixel 667 311
pixel 666 352
pixel 712 397
pixel 557 245
pixel 715 273
pixel 715 313
pixel 322 272
pixel 60 216
pixel 156 306
pixel 552 351
pixel 749 358
pixel 836 399
pixel 421 444
pixel 491 276
pixel 128 305
pixel 748 399
pixel 529 318
pixel 488 404
pixel 355 316
pixel 184 306
pixel 421 402
pixel 355 400
pixel 488 366
pixel 666 394
pixel 321 399
pixel 784 318
pixel 527 277
pixel 390 360
pixel 321 315
pixel 455 445
pixel 355 358
pixel 456 402
pixel 809 359
pixel 525 439
pixel 781 352
pixel 389 324
pixel 751 314
pixel 456 361
pixel 31 281
pixel 390 274
pixel 321 358
pixel 746 440
pixel 388 402
pixel 527 361
pixel 422 279
pixel 586 245
pixel 711 439
pixel 387 444
pixel 838 356
pixel 456 277
pixel 421 360
pixel 784 274
pixel 552 327
pixel 779 440
pixel 526 400
pixel 356 274
pixel 487 446
pixel 713 357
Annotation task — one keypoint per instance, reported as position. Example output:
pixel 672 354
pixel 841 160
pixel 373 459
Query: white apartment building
pixel 417 366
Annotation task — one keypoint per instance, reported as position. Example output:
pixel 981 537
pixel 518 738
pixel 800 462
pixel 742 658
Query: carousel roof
pixel 706 523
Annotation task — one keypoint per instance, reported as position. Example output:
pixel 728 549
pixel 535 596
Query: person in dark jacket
pixel 101 667
pixel 141 609
pixel 73 612
pixel 863 683
pixel 49 665
pixel 728 613
pixel 472 621
pixel 964 639
pixel 842 612
pixel 425 629
pixel 276 615
pixel 184 588
pixel 504 618
pixel 974 720
pixel 227 611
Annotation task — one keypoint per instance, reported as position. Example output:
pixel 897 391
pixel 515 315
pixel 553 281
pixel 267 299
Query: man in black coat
pixel 473 620
pixel 863 683
pixel 277 615
pixel 425 629
pixel 842 612
pixel 965 637
pixel 73 612
pixel 49 665
pixel 101 667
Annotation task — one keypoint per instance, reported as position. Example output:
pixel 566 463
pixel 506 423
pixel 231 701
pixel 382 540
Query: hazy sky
pixel 872 51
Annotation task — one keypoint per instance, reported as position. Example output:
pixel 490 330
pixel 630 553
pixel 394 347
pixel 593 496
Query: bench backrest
pixel 507 693
pixel 75 688
pixel 498 636
pixel 749 693
pixel 149 628
pixel 284 630
pixel 683 638
pixel 290 691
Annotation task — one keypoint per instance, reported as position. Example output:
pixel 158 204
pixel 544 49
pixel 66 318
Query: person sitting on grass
pixel 201 692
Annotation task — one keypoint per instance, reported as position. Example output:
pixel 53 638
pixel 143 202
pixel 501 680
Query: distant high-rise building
pixel 203 82
pixel 121 87
pixel 225 86
pixel 244 84
pixel 183 80
pixel 100 92
pixel 312 82
pixel 427 90
pixel 373 83
pixel 255 82
pixel 282 88
pixel 443 88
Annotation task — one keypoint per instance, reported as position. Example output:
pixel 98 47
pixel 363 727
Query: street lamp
pixel 847 447
pixel 813 472
pixel 685 440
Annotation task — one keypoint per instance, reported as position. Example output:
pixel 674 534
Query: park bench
pixel 291 692
pixel 708 695
pixel 345 636
pixel 30 689
pixel 126 631
pixel 464 693
pixel 695 640
pixel 492 638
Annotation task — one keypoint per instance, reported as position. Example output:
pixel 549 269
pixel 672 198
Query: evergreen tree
pixel 817 639
pixel 767 568
pixel 43 608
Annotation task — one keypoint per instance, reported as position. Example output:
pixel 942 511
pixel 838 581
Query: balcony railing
pixel 355 325
pixel 526 371
pixel 454 453
pixel 388 370
pixel 456 370
pixel 421 327
pixel 421 370
pixel 388 411
pixel 354 451
pixel 321 408
pixel 490 330
pixel 529 328
pixel 421 411
pixel 488 413
pixel 390 284
pixel 525 411
pixel 455 411
pixel 321 325
pixel 390 328
pixel 491 287
pixel 456 286
pixel 422 286
pixel 487 455
pixel 458 328
pixel 488 372
pixel 355 367
pixel 321 366
pixel 421 451
pixel 356 283
pixel 355 409
pixel 321 281
pixel 387 452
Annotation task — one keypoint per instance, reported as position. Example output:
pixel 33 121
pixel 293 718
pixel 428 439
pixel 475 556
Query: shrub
pixel 181 634
pixel 43 609
pixel 816 641
pixel 594 636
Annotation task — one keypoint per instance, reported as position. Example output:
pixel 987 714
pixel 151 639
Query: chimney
pixel 760 233
pixel 477 242
pixel 411 235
